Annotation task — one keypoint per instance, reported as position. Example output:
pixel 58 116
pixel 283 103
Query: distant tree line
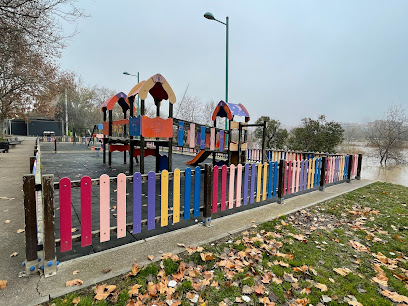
pixel 313 135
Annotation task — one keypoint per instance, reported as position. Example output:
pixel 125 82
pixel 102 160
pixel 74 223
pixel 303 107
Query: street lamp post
pixel 210 16
pixel 127 73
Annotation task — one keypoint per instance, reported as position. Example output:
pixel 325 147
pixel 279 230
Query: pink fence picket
pixel 215 190
pixel 121 205
pixel 231 187
pixel 223 186
pixel 104 207
pixel 65 214
pixel 239 185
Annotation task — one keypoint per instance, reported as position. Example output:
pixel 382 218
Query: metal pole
pixel 66 113
pixel 226 78
pixel 138 109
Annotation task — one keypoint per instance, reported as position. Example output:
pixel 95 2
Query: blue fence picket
pixel 275 178
pixel 270 180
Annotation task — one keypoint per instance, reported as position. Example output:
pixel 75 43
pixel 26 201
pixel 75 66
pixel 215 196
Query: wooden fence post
pixel 350 167
pixel 207 195
pixel 359 164
pixel 31 260
pixel 281 186
pixel 50 262
pixel 32 159
pixel 323 173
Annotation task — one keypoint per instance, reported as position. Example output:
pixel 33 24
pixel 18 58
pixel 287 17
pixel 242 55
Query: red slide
pixel 200 157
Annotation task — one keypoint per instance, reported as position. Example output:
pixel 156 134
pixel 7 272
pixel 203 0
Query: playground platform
pixel 35 289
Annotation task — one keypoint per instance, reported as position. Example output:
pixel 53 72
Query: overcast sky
pixel 288 59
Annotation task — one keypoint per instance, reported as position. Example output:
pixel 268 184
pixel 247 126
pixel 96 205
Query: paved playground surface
pixel 36 289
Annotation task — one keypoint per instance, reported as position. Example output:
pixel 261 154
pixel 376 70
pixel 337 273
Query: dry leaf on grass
pixel 260 289
pixel 358 246
pixel 395 297
pixel 322 287
pixel 150 257
pixel 265 300
pixel 134 290
pixel 135 270
pixel 289 278
pixel 74 282
pixel 342 271
pixel 103 291
pixel 207 256
pixel 3 284
pixel 355 303
pixel 76 300
pixel 152 289
pixel 306 291
pixel 281 263
pixel 302 302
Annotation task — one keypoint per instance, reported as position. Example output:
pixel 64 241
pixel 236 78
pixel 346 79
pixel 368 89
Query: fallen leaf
pixel 107 270
pixel 150 257
pixel 342 271
pixel 395 297
pixel 76 300
pixel 322 287
pixel 7 221
pixel 74 282
pixel 265 300
pixel 103 291
pixel 134 290
pixel 182 245
pixel 73 230
pixel 302 302
pixel 135 270
pixel 260 289
pixel 247 290
pixel 281 263
pixel 207 256
pixel 152 289
pixel 306 291
pixel 20 231
pixel 14 254
pixel 289 278
pixel 358 246
pixel 355 303
pixel 3 284
pixel 75 272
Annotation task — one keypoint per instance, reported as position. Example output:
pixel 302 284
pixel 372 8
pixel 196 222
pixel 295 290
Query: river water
pixel 371 168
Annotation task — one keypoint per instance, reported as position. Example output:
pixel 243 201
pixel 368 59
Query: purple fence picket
pixel 137 203
pixel 246 177
pixel 252 191
pixel 151 200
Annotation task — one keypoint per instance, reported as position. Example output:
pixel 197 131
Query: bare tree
pixel 190 109
pixel 388 135
pixel 31 37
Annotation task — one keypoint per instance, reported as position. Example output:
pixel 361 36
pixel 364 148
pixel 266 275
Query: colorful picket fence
pixel 169 198
pixel 230 187
pixel 64 139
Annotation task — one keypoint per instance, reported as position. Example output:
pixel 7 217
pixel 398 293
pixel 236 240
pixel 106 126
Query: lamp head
pixel 127 73
pixel 210 16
